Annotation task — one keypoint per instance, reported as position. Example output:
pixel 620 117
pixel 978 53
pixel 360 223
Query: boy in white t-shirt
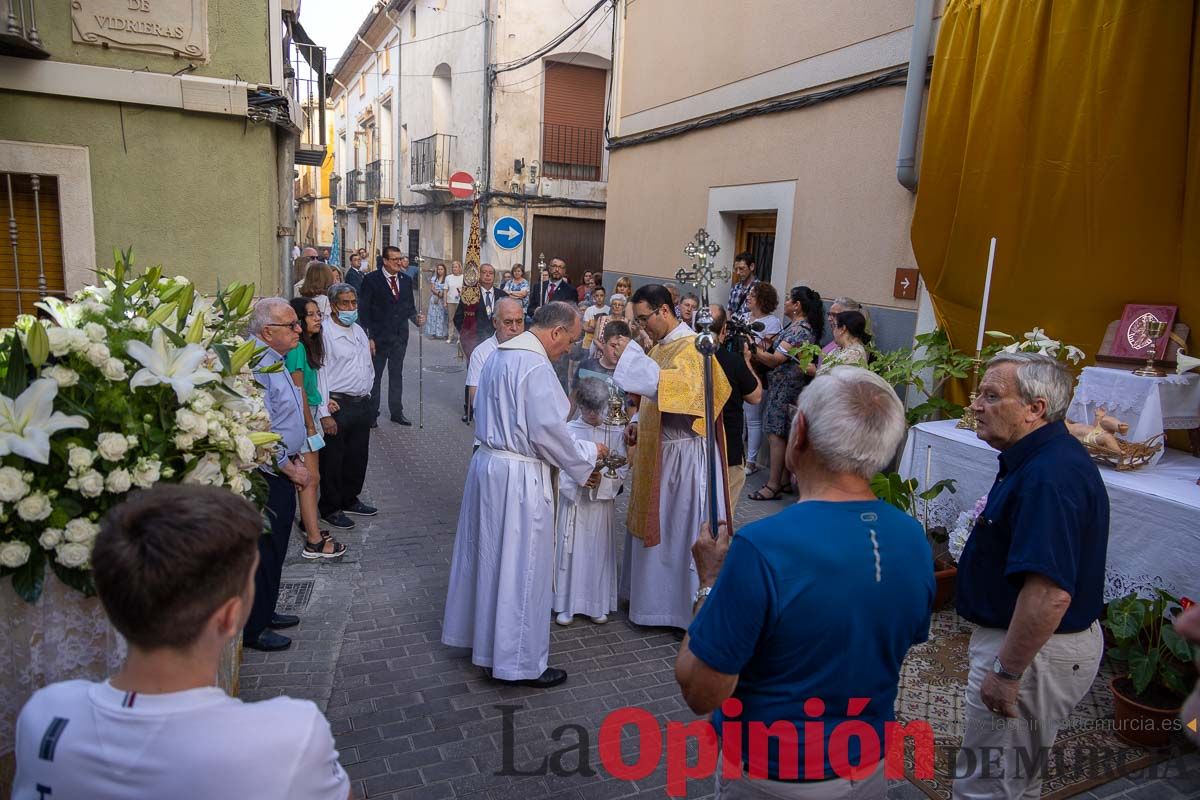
pixel 174 567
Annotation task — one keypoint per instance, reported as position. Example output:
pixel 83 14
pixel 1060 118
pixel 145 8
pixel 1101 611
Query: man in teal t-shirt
pixel 806 616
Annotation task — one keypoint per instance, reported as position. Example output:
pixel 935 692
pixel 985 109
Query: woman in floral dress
pixel 806 324
pixel 435 322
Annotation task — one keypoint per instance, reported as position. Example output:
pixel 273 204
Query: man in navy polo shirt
pixel 815 608
pixel 1032 576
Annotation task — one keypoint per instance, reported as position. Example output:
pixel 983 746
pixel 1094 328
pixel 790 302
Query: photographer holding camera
pixel 757 329
pixel 733 354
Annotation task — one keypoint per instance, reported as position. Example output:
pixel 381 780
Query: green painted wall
pixel 238 32
pixel 194 192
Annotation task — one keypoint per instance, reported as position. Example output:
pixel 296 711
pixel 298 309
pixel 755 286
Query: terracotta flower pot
pixel 1138 724
pixel 945 578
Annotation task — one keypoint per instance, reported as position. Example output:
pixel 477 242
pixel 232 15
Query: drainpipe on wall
pixel 486 168
pixel 914 93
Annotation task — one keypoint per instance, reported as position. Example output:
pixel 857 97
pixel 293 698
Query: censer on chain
pixel 614 429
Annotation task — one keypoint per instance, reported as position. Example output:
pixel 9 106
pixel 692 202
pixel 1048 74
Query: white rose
pixel 63 376
pixel 60 341
pixel 184 441
pixel 139 324
pixel 81 529
pixel 79 458
pixel 245 449
pixel 201 401
pixel 12 485
pixel 146 472
pixel 73 554
pixel 205 472
pixel 34 507
pixel 132 441
pixel 112 446
pixel 14 554
pixel 91 483
pixel 118 481
pixel 97 354
pixel 114 369
pixel 191 422
pixel 50 538
pixel 95 332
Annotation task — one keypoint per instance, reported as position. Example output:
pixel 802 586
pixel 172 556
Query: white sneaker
pixel 564 618
pixel 600 620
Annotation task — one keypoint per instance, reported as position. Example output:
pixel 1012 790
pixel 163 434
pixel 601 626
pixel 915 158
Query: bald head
pixel 509 319
pixel 310 252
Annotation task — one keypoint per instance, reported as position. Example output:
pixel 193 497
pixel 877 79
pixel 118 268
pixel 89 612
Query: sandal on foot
pixel 774 493
pixel 318 549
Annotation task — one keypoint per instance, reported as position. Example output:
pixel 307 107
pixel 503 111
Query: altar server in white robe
pixel 500 594
pixel 586 577
pixel 668 488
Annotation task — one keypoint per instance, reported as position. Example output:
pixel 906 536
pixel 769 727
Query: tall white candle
pixel 987 289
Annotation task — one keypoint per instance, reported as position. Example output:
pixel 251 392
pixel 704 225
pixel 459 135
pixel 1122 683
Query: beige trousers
pixel 1005 758
pixel 737 482
pixel 873 787
pixel 451 331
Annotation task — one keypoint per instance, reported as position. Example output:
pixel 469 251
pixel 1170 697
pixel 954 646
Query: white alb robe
pixel 499 599
pixel 586 576
pixel 662 579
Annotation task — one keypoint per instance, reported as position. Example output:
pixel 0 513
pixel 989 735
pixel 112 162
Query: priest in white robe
pixel 500 594
pixel 586 576
pixel 669 497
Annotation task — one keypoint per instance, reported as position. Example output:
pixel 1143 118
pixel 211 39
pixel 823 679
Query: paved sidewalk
pixel 416 719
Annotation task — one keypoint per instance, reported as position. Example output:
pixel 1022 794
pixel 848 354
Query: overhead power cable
pixel 552 44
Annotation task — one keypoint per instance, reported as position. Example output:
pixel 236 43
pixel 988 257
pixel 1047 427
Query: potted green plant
pixel 903 494
pixel 1147 698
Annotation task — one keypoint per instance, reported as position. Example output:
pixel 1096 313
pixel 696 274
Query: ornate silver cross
pixel 703 275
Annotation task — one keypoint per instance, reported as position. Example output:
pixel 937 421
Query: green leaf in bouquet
pixel 28 578
pixel 173 337
pixel 16 375
pixel 223 356
pixel 78 579
pixel 37 344
pixel 187 299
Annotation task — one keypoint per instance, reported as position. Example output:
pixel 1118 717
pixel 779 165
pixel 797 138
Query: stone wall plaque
pixel 168 27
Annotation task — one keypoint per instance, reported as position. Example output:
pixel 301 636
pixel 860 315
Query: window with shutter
pixel 573 122
pixel 31 266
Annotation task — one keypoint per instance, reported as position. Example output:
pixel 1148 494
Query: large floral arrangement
pixel 135 381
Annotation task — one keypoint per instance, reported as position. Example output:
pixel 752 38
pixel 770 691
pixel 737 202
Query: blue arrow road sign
pixel 508 233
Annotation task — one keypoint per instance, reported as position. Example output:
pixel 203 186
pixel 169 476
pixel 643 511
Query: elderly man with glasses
pixel 386 307
pixel 274 326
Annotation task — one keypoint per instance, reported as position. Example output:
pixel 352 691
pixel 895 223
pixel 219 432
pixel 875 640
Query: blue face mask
pixel 347 317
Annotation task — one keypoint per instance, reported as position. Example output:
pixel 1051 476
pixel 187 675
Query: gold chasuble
pixel 680 391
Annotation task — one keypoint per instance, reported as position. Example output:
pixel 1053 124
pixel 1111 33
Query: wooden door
pixel 756 234
pixel 579 242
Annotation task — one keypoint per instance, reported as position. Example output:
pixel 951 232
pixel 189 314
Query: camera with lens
pixel 742 332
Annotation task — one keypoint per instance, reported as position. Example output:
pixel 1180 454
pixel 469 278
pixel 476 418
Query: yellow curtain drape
pixel 1070 131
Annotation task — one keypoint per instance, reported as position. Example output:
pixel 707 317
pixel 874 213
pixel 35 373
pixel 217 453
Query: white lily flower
pixel 27 422
pixel 162 363
pixel 1074 354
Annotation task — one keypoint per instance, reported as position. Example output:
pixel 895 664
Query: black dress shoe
pixel 279 621
pixel 550 678
pixel 361 509
pixel 269 641
pixel 401 420
pixel 339 520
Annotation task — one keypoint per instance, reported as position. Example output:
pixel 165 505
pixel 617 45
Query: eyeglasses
pixel 294 325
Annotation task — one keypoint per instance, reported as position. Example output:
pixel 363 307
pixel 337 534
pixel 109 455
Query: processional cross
pixel 704 275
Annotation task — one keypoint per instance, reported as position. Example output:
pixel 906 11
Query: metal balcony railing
pixel 380 181
pixel 356 190
pixel 572 153
pixel 432 159
pixel 307 79
pixel 19 36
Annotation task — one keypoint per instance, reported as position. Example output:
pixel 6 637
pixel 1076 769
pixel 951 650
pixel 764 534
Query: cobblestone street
pixel 413 718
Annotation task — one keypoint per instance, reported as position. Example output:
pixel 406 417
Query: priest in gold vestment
pixel 669 499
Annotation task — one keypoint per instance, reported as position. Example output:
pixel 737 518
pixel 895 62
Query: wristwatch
pixel 701 593
pixel 1001 672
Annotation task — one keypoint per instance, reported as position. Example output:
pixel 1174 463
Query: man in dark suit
pixel 557 288
pixel 354 273
pixel 474 320
pixel 386 307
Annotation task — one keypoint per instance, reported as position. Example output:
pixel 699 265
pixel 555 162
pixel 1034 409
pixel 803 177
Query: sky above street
pixel 333 23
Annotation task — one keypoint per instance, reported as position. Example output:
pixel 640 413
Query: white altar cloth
pixel 1154 531
pixel 1149 405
